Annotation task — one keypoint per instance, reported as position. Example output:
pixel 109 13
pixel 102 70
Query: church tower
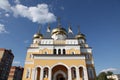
pixel 59 55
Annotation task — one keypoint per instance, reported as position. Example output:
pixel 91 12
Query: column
pixel 77 74
pixel 69 74
pixel 56 51
pixel 85 74
pixel 50 73
pixel 41 74
pixel 33 74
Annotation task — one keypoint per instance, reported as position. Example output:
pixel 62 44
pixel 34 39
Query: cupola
pixel 38 34
pixel 59 32
pixel 81 37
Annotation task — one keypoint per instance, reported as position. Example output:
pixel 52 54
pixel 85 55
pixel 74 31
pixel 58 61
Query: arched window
pixel 90 73
pixel 59 51
pixel 81 72
pixel 64 52
pixel 45 73
pixel 54 52
pixel 73 71
pixel 28 73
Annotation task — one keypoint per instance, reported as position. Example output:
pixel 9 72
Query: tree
pixel 103 75
pixel 109 73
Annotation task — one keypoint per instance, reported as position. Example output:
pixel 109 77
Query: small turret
pixel 80 36
pixel 37 36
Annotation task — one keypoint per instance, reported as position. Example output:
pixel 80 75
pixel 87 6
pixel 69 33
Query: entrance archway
pixel 59 75
pixel 59 72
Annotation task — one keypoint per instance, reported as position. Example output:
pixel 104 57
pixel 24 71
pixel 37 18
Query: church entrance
pixel 60 77
pixel 59 72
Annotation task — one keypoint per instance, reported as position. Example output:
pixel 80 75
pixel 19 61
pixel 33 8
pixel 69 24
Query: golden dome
pixel 59 30
pixel 79 36
pixel 38 35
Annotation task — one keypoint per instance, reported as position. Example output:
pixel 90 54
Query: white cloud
pixel 5 5
pixel 7 15
pixel 17 1
pixel 16 62
pixel 2 29
pixel 39 13
pixel 109 69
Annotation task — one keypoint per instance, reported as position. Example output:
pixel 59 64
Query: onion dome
pixel 59 33
pixel 38 34
pixel 59 30
pixel 80 35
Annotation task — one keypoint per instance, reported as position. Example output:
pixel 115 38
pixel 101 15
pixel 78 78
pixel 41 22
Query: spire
pixel 70 29
pixel 48 28
pixel 80 35
pixel 39 28
pixel 79 29
pixel 58 19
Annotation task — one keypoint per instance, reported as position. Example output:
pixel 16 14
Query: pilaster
pixel 41 74
pixel 69 74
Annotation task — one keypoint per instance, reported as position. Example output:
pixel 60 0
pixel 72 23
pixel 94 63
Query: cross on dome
pixel 59 24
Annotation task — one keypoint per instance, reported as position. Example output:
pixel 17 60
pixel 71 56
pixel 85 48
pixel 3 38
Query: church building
pixel 59 54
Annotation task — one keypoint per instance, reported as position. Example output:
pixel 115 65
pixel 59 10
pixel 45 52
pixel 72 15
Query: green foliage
pixel 103 75
pixel 109 73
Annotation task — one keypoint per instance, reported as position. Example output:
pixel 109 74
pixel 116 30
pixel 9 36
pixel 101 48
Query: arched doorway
pixel 59 72
pixel 60 76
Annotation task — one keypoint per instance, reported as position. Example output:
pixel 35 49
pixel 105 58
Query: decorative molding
pixel 60 64
pixel 58 57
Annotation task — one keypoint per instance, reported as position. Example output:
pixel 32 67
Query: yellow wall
pixel 50 63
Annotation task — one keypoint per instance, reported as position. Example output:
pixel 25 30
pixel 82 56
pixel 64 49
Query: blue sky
pixel 99 20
